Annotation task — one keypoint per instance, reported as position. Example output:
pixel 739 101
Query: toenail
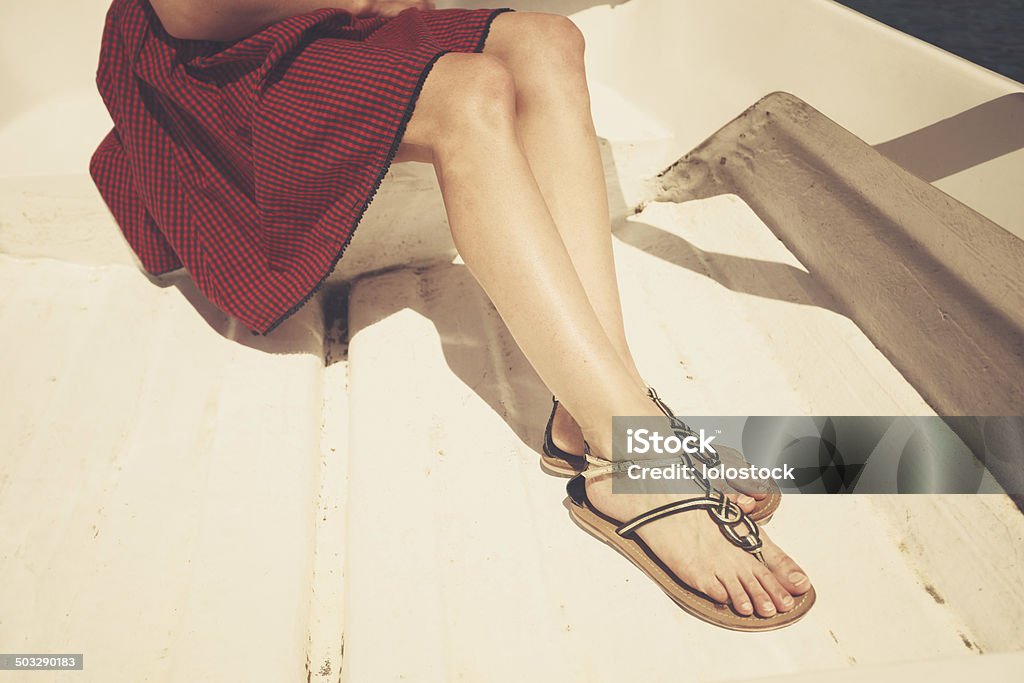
pixel 745 607
pixel 767 607
pixel 745 499
pixel 797 578
pixel 787 600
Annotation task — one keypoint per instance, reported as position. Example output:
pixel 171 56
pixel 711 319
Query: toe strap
pixel 734 524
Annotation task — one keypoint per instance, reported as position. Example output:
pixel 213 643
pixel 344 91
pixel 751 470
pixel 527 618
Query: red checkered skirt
pixel 250 163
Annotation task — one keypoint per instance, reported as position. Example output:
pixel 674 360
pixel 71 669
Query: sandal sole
pixel 560 467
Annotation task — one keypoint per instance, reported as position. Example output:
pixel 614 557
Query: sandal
pixel 564 464
pixel 738 527
pixel 553 459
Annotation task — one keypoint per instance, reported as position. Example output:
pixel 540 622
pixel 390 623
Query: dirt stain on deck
pixel 325 668
pixel 970 644
pixel 935 594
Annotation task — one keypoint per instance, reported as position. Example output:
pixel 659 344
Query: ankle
pixel 599 434
pixel 565 432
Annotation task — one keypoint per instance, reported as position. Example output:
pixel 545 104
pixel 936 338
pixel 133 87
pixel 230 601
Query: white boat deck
pixel 357 496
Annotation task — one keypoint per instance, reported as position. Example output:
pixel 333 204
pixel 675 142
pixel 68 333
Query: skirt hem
pixel 392 151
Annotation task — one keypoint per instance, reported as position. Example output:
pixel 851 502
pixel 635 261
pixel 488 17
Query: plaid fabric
pixel 250 163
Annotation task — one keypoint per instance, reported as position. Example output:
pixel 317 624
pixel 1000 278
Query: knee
pixel 552 40
pixel 545 54
pixel 482 99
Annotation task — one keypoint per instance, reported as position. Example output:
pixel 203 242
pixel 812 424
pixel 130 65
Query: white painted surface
pixel 51 116
pixel 327 626
pixel 157 479
pixel 1001 667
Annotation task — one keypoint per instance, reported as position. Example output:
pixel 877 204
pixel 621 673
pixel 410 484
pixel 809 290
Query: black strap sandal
pixel 735 525
pixel 553 459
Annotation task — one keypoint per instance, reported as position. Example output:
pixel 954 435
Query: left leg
pixel 544 53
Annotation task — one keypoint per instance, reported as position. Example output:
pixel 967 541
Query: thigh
pixel 409 152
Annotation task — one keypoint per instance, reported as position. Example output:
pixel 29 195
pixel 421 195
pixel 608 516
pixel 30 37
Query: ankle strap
pixel 598 466
pixel 681 428
pixel 663 407
pixel 734 524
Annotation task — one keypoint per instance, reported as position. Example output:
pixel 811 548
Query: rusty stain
pixel 325 668
pixel 970 644
pixel 935 594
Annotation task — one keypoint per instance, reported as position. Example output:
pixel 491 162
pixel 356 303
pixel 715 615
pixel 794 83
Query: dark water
pixel 987 32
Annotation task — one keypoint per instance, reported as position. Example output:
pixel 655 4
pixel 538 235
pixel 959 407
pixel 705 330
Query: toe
pixel 745 502
pixel 781 597
pixel 763 602
pixel 754 488
pixel 737 595
pixel 786 571
pixel 713 588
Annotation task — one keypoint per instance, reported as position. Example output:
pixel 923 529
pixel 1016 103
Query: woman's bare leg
pixel 505 233
pixel 544 52
pixel 466 118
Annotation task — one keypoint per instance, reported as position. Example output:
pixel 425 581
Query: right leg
pixel 501 225
pixel 465 117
